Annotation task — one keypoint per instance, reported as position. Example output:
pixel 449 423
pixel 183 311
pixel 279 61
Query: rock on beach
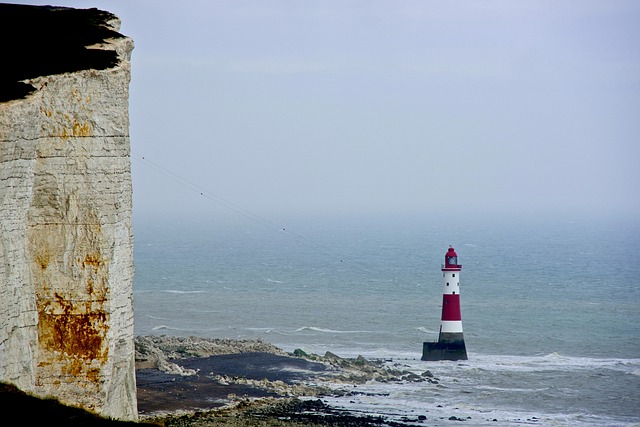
pixel 189 374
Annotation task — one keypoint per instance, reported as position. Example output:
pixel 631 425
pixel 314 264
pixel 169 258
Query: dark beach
pixel 222 379
pixel 200 382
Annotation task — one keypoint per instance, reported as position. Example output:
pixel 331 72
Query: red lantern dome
pixel 451 260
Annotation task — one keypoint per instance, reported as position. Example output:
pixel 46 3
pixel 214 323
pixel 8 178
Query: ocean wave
pixel 512 389
pixel 264 330
pixel 277 332
pixel 162 327
pixel 330 331
pixel 179 330
pixel 168 291
pixel 550 362
pixel 426 330
pixel 175 291
pixel 273 280
pixel 269 331
pixel 156 317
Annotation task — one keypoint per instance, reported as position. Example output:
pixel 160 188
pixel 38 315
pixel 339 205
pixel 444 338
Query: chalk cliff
pixel 66 241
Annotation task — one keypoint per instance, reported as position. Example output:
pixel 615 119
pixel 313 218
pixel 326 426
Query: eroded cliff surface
pixel 66 242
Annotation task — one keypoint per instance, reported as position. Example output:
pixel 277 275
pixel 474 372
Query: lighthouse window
pixel 454 274
pixel 447 283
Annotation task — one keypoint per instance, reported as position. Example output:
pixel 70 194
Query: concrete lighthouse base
pixel 450 346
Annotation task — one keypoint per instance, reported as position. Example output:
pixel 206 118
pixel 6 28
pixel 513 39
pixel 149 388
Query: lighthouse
pixel 450 344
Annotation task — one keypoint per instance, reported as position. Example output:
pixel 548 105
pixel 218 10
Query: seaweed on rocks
pixel 361 370
pixel 316 412
pixel 282 413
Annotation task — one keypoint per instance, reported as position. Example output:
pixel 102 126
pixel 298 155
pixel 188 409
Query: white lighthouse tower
pixel 450 344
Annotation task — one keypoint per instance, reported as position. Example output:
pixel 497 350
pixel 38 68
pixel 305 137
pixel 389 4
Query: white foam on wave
pixel 268 331
pixel 426 330
pixel 395 402
pixel 265 330
pixel 273 280
pixel 396 356
pixel 439 402
pixel 182 331
pixel 330 331
pixel 410 360
pixel 546 363
pixel 512 389
pixel 156 317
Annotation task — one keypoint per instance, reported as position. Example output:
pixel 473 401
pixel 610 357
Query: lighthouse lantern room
pixel 450 344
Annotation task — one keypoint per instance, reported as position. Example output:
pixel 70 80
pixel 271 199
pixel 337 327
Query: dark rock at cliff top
pixel 44 40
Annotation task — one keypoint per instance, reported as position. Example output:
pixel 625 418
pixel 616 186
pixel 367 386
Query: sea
pixel 550 305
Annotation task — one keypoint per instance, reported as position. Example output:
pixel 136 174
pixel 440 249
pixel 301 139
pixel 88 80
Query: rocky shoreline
pixel 189 381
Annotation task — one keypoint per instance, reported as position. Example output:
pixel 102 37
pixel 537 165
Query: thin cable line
pixel 248 214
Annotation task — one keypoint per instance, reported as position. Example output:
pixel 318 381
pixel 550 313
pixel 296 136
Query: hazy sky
pixel 385 106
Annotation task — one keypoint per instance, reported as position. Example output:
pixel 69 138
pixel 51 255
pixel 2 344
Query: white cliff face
pixel 66 242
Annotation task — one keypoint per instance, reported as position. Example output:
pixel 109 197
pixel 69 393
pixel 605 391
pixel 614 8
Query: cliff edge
pixel 66 241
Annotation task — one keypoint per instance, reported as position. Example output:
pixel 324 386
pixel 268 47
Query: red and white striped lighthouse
pixel 450 345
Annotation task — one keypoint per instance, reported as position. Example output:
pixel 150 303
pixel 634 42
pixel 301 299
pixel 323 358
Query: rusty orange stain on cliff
pixel 93 375
pixel 93 260
pixel 83 129
pixel 66 125
pixel 89 286
pixel 43 259
pixel 75 129
pixel 63 327
pixel 72 328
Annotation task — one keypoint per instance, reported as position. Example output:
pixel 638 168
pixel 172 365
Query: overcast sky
pixel 385 106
